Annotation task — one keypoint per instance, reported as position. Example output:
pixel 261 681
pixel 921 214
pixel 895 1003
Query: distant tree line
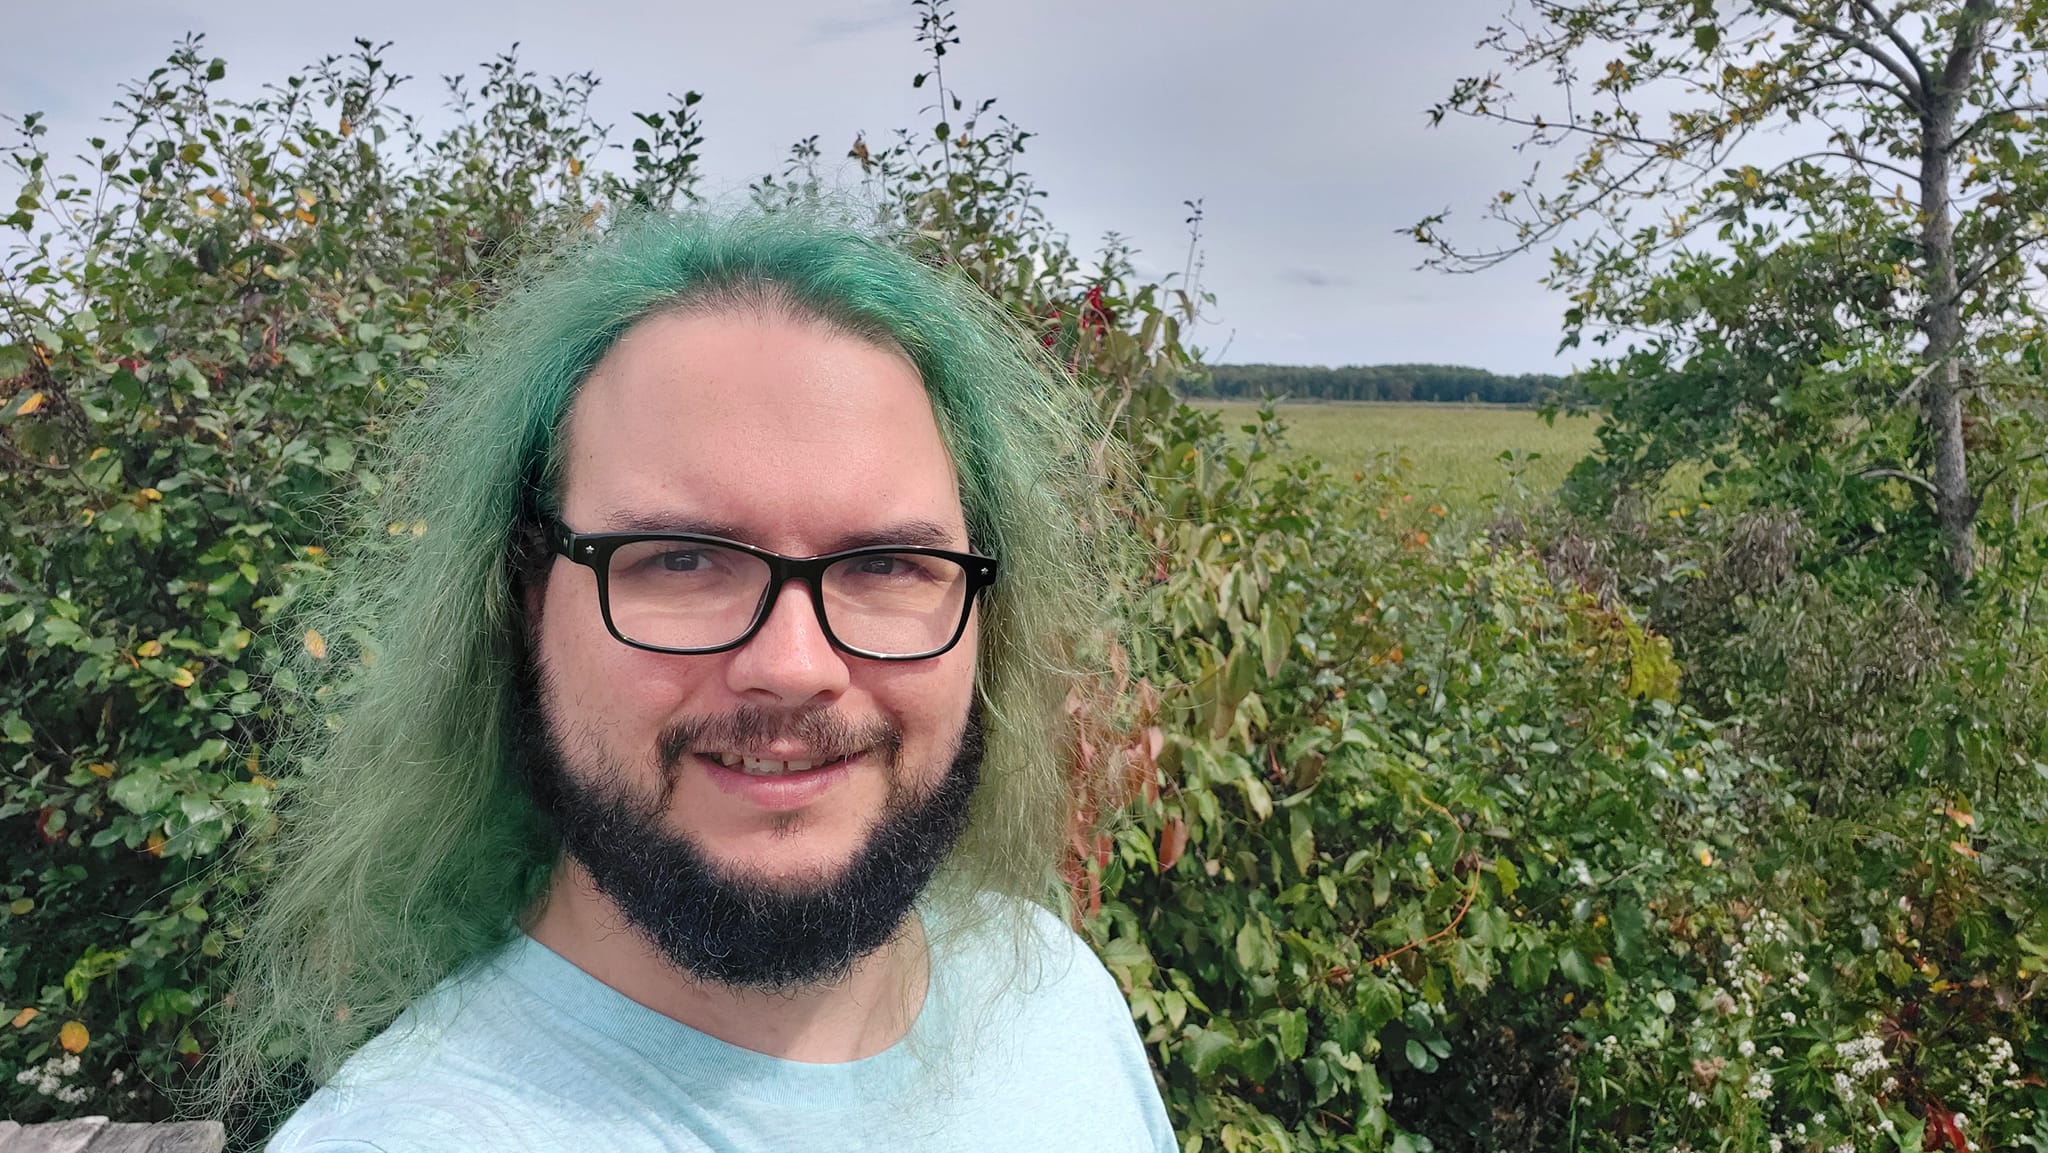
pixel 1410 382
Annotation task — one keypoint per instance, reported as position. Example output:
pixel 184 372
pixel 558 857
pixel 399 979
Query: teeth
pixel 755 767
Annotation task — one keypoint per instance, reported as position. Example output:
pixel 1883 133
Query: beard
pixel 736 930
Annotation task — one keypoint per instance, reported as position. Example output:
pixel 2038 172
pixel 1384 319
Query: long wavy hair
pixel 408 844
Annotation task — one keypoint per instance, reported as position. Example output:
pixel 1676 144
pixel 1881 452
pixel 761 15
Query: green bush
pixel 203 332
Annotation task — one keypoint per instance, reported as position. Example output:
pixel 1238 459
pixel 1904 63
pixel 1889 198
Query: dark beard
pixel 737 931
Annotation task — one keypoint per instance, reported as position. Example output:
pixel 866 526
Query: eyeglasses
pixel 685 593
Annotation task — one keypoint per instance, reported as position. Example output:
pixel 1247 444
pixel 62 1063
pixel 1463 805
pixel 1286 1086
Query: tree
pixel 1717 140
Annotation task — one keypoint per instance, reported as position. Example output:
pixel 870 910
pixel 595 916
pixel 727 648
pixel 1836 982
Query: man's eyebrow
pixel 631 520
pixel 909 533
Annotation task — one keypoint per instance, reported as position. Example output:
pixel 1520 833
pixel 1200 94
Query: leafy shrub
pixel 201 331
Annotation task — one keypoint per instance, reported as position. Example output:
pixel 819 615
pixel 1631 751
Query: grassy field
pixel 1451 449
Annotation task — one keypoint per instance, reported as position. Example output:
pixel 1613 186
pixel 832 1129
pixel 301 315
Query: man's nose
pixel 790 658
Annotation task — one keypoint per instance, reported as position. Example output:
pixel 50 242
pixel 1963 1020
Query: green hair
pixel 408 844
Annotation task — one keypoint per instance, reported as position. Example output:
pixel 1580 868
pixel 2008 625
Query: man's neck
pixel 858 1017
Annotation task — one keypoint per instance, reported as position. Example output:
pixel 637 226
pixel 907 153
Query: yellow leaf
pixel 217 196
pixel 1704 854
pixel 73 1037
pixel 99 452
pixel 22 907
pixel 308 198
pixel 1965 850
pixel 304 216
pixel 32 403
pixel 88 514
pixel 182 678
pixel 25 1016
pixel 1961 818
pixel 149 649
pixel 100 769
pixel 261 781
pixel 150 494
pixel 155 845
pixel 419 528
pixel 347 129
pixel 395 528
pixel 315 550
pixel 316 644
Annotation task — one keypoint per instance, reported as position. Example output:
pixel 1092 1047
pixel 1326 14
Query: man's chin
pixel 772 920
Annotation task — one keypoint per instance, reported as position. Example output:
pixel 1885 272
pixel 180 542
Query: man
pixel 690 767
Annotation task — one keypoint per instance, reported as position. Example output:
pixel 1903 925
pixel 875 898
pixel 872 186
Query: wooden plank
pixel 56 1136
pixel 97 1135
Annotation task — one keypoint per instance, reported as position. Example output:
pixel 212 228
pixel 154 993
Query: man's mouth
pixel 763 767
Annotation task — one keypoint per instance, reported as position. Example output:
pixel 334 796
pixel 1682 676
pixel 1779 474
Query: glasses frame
pixel 594 551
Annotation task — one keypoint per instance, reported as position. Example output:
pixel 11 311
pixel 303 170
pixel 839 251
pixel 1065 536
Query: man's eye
pixel 683 560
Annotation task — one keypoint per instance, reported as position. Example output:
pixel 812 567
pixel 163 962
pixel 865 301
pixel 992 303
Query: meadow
pixel 1451 450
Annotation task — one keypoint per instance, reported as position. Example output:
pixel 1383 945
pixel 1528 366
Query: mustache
pixel 753 726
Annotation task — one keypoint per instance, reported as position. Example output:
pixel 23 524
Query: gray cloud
pixel 876 18
pixel 1305 138
pixel 1314 278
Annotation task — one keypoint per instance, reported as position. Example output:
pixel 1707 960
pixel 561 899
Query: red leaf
pixel 1173 841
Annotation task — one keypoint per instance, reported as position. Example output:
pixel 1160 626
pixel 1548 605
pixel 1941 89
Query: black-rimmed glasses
pixel 685 593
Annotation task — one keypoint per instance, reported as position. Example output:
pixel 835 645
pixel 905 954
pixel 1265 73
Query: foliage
pixel 1433 840
pixel 1800 213
pixel 201 331
pixel 1380 382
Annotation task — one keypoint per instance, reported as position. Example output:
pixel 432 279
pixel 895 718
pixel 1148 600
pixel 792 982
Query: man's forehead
pixel 785 434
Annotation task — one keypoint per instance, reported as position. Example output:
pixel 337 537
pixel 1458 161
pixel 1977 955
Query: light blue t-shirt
pixel 529 1052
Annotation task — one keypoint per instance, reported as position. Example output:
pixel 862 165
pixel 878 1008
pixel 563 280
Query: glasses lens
pixel 895 604
pixel 684 594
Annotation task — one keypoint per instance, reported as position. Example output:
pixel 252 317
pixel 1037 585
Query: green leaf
pixel 1206 1050
pixel 1301 838
pixel 1577 967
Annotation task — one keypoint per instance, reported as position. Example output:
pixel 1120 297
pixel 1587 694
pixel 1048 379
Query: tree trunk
pixel 1941 410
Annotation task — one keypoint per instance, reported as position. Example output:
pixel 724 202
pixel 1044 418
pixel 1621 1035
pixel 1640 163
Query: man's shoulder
pixel 1027 948
pixel 484 1061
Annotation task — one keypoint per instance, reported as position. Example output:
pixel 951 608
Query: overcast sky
pixel 1300 125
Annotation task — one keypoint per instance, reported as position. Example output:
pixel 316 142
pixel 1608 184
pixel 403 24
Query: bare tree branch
pixel 1991 118
pixel 1912 478
pixel 1907 76
pixel 1982 268
pixel 1890 24
pixel 1969 46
